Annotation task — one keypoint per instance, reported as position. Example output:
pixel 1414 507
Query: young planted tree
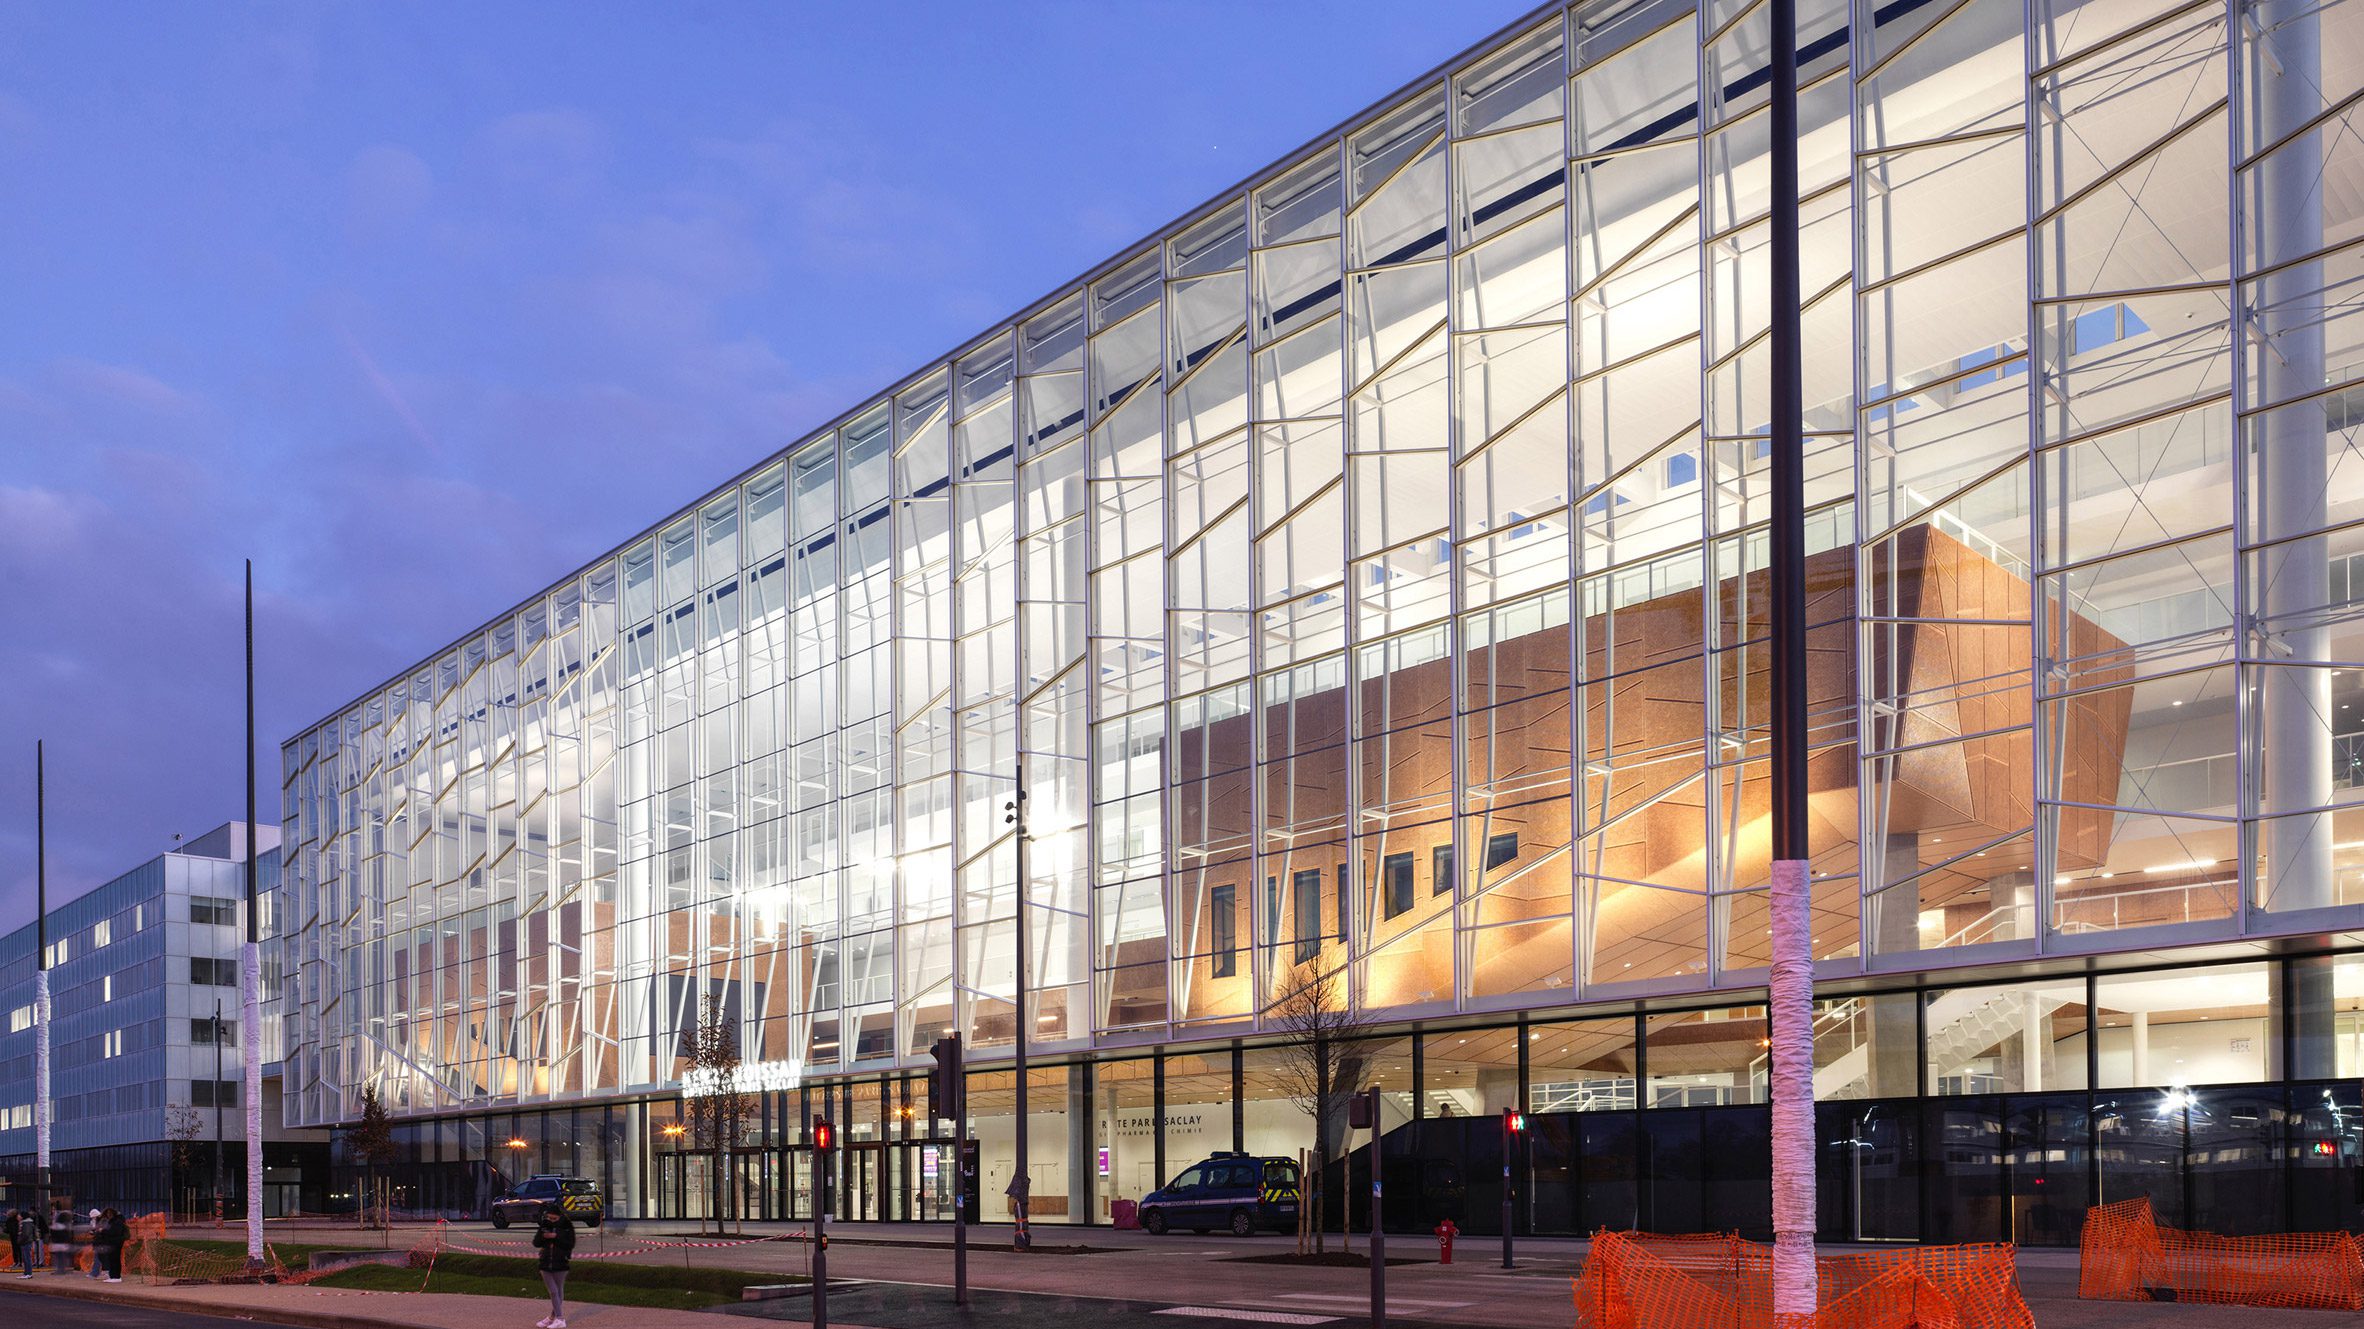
pixel 717 1104
pixel 1321 1055
pixel 371 1142
pixel 183 1127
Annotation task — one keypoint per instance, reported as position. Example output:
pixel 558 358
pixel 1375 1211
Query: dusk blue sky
pixel 423 305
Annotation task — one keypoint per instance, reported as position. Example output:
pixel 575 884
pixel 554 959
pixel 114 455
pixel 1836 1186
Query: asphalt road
pixel 70 1313
pixel 906 1306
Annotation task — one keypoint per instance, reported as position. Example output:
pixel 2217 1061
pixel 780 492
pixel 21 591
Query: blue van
pixel 1238 1192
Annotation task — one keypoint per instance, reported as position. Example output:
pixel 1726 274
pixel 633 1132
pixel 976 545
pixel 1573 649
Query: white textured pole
pixel 41 1108
pixel 1792 1027
pixel 250 977
pixel 1790 1010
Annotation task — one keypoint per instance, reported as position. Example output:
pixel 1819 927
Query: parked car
pixel 1237 1192
pixel 580 1198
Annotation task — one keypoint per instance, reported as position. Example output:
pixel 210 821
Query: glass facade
pixel 1284 566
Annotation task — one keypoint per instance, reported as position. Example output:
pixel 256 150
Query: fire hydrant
pixel 1445 1232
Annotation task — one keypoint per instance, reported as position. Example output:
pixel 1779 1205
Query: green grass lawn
pixel 601 1282
pixel 294 1255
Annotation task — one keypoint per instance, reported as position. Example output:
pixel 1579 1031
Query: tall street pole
pixel 42 1111
pixel 217 1111
pixel 250 973
pixel 1791 998
pixel 1022 1184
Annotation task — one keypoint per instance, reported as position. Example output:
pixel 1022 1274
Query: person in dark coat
pixel 106 1246
pixel 555 1238
pixel 20 1241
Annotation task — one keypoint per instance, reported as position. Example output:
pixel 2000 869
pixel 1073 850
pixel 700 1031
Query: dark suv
pixel 1236 1192
pixel 581 1200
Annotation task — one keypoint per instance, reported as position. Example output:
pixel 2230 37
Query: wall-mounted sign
pixel 751 1077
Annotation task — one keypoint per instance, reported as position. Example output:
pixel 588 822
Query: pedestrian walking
pixel 20 1241
pixel 555 1238
pixel 107 1237
pixel 61 1240
pixel 96 1273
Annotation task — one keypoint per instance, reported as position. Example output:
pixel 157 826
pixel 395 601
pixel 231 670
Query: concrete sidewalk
pixel 1131 1274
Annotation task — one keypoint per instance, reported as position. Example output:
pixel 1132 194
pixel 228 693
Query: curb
pixel 194 1306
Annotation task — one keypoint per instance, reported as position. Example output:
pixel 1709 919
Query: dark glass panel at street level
pixel 1964 1200
pixel 2325 1147
pixel 2139 1138
pixel 2046 1147
pixel 2237 1145
pixel 1609 1147
pixel 1868 1171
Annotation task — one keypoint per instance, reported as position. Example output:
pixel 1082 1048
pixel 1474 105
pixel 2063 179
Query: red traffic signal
pixel 824 1135
pixel 1514 1121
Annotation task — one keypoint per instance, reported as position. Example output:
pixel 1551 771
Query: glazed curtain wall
pixel 1367 573
pixel 2027 1101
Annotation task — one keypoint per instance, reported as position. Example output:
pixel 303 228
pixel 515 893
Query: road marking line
pixel 1257 1317
pixel 1365 1300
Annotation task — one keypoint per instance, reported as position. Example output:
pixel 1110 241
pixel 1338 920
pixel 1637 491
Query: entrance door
pixel 685 1186
pixel 865 1182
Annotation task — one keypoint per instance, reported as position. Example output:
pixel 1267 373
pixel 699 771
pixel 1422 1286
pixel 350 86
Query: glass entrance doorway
pixel 896 1181
pixel 686 1186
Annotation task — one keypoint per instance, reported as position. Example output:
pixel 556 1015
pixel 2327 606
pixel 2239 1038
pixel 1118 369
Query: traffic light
pixel 946 1100
pixel 1514 1122
pixel 1361 1114
pixel 824 1135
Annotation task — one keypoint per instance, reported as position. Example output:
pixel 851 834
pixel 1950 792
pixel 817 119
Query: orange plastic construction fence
pixel 2129 1256
pixel 1639 1280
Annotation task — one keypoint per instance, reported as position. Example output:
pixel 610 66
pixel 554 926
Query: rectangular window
pixel 1342 890
pixel 201 1032
pixel 213 1093
pixel 1307 887
pixel 111 1045
pixel 1272 911
pixel 213 973
pixel 1440 866
pixel 1223 928
pixel 102 932
pixel 1501 849
pixel 1395 885
pixel 206 909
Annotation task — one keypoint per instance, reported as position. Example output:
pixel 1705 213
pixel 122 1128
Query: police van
pixel 1237 1192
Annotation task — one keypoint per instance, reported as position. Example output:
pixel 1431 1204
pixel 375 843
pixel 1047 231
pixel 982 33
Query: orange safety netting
pixel 1639 1280
pixel 2128 1256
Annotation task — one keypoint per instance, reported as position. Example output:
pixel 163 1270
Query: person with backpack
pixel 555 1238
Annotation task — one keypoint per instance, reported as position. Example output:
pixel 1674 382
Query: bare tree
pixel 371 1142
pixel 183 1127
pixel 717 1104
pixel 1321 1056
